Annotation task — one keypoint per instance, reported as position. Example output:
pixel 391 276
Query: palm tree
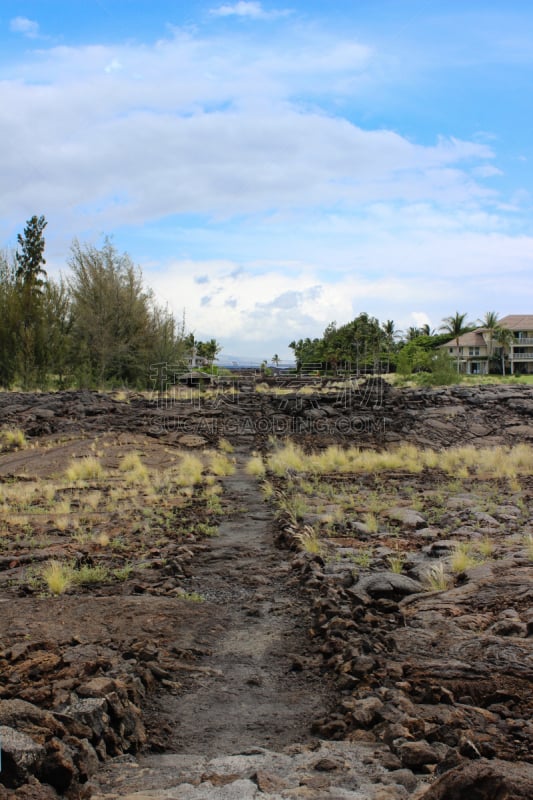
pixel 390 335
pixel 491 323
pixel 504 337
pixel 426 330
pixel 412 333
pixel 455 326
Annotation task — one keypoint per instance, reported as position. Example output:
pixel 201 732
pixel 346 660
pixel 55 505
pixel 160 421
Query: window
pixel 473 351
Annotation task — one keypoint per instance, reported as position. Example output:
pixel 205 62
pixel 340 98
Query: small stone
pixel 96 687
pixel 91 712
pixel 365 711
pixel 21 756
pixel 403 777
pixel 326 765
pixel 269 783
pixel 216 779
pixel 417 754
pixel 407 517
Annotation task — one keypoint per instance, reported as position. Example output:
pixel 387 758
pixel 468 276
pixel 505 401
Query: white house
pixel 477 347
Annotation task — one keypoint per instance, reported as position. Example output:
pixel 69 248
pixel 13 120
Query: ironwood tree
pixel 31 279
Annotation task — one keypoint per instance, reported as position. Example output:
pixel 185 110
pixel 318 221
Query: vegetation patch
pixel 12 439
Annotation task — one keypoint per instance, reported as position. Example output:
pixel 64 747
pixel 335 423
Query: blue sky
pixel 273 166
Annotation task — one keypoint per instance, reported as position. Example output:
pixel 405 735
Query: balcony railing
pixel 521 356
pixel 519 342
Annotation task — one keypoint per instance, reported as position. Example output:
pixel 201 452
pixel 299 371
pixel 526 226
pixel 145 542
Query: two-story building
pixel 473 354
pixel 480 352
pixel 520 349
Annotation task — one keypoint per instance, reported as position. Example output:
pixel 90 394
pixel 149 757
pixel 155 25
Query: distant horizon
pixel 275 166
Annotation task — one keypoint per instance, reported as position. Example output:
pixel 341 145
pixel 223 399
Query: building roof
pixel 517 322
pixel 512 322
pixel 470 339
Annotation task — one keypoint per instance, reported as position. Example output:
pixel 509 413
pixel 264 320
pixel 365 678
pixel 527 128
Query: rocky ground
pixel 203 651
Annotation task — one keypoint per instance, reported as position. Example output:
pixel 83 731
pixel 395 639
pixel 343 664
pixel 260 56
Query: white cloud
pixel 26 26
pixel 245 8
pixel 420 318
pixel 317 218
pixel 256 308
pixel 486 171
pixel 102 151
pixel 113 66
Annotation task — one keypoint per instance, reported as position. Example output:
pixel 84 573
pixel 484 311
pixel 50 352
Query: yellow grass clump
pixel 460 462
pixel 290 457
pixel 255 467
pixel 57 576
pixel 309 540
pixel 225 446
pixel 462 558
pixel 220 464
pixel 133 468
pixel 83 469
pixel 189 471
pixel 12 440
pixel 436 579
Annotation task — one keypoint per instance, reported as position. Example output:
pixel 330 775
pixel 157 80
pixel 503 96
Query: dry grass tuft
pixel 290 457
pixel 220 465
pixel 12 439
pixel 189 471
pixel 83 469
pixel 309 540
pixel 255 467
pixel 134 470
pixel 225 446
pixel 462 558
pixel 57 576
pixel 436 579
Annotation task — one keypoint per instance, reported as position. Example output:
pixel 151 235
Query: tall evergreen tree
pixel 9 320
pixel 31 278
pixel 30 254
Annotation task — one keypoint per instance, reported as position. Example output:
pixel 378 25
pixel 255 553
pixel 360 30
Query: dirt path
pixel 249 695
pixel 250 691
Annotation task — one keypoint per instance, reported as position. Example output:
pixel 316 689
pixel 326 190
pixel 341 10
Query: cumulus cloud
pixel 28 27
pixel 317 216
pixel 132 133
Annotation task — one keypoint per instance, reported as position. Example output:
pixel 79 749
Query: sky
pixel 276 165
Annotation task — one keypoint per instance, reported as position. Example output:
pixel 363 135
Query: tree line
pixel 98 326
pixel 367 344
pixel 101 326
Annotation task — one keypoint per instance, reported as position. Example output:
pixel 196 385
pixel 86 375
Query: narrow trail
pixel 250 696
pixel 241 729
